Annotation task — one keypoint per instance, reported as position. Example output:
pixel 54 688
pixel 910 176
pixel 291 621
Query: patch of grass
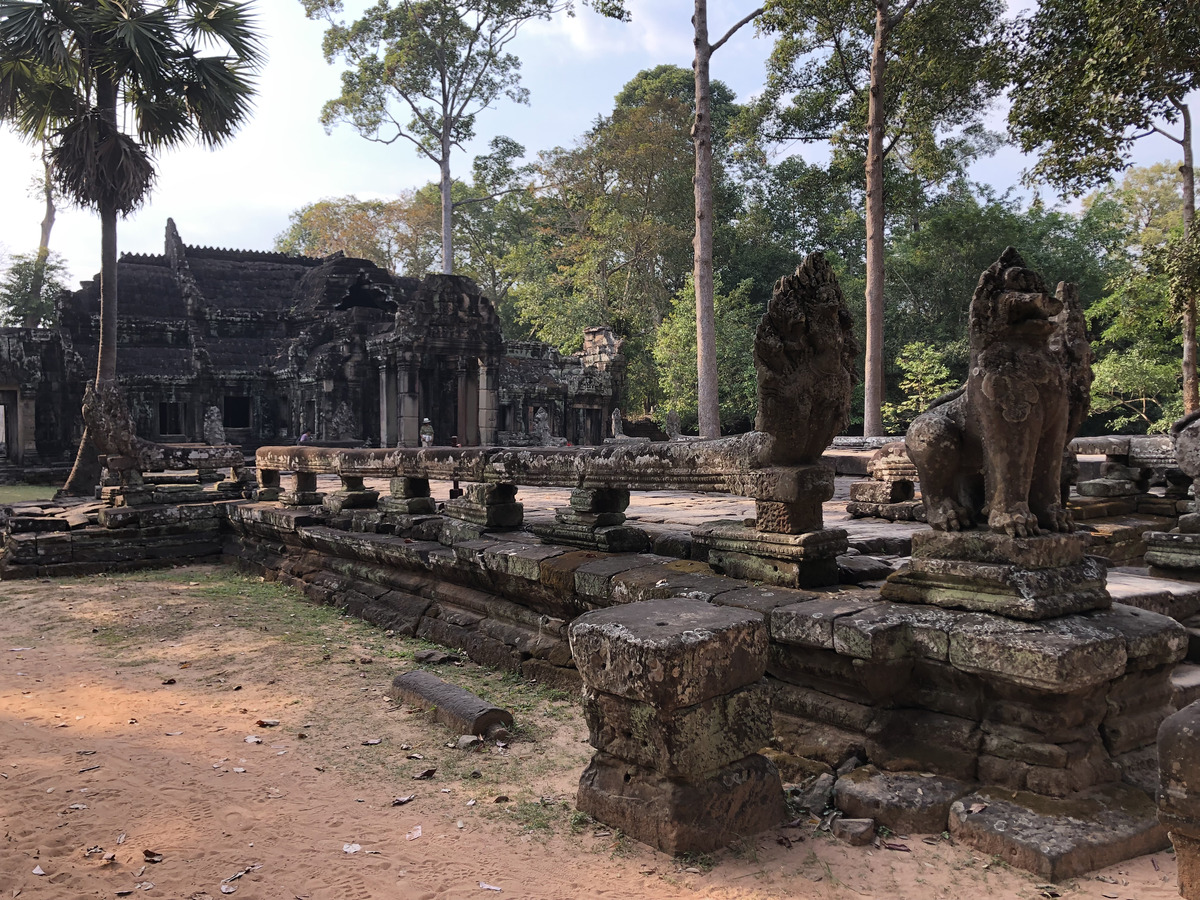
pixel 705 862
pixel 539 815
pixel 19 493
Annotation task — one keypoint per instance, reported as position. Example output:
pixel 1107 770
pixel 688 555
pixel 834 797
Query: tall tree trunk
pixel 1191 389
pixel 43 254
pixel 85 472
pixel 707 402
pixel 873 382
pixel 447 211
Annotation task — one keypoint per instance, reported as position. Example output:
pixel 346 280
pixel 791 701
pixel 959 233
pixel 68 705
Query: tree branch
pixel 713 48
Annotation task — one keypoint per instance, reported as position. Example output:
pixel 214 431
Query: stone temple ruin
pixel 282 346
pixel 991 686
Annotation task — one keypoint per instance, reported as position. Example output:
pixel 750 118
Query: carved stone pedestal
pixel 787 560
pixel 1021 578
pixel 489 505
pixel 595 521
pixel 410 496
pixel 353 495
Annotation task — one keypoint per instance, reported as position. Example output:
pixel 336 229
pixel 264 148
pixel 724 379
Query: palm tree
pixel 74 72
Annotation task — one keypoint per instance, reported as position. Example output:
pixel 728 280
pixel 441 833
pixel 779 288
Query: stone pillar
pixel 269 489
pixel 388 431
pixel 305 492
pixel 488 405
pixel 26 432
pixel 410 407
pixel 595 520
pixel 890 492
pixel 677 716
pixel 1179 793
pixel 460 427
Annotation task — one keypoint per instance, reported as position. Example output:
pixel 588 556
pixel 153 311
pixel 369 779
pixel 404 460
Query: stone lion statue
pixel 994 448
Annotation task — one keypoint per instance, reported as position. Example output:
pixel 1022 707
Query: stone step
pixel 1169 596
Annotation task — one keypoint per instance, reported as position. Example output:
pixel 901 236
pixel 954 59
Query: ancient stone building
pixel 337 348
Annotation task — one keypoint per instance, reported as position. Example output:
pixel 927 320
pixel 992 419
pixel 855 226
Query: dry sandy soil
pixel 130 730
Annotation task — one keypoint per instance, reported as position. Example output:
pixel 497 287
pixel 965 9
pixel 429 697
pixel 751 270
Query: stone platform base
pixel 1023 578
pixel 1173 554
pixel 904 511
pixel 1059 839
pixel 605 539
pixel 787 560
pixel 739 800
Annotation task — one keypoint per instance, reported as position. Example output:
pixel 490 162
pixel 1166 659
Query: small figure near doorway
pixel 305 437
pixel 426 433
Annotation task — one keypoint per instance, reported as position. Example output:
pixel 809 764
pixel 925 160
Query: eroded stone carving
pixel 804 352
pixel 214 426
pixel 995 447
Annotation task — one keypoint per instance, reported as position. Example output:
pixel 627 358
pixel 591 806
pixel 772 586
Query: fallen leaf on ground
pixel 152 856
pixel 892 845
pixel 351 848
pixel 414 834
pixel 37 870
pixel 228 888
pixel 428 773
pixel 168 681
pixel 400 801
pixel 488 887
pixel 267 723
pixel 251 739
pixel 371 742
pixel 415 756
pixel 977 807
pixel 77 806
pixel 173 733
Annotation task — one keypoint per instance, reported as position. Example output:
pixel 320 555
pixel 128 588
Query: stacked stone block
pixel 890 492
pixel 676 714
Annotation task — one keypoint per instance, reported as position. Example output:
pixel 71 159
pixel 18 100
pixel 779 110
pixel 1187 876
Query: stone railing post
pixel 1179 793
pixel 353 495
pixel 305 492
pixel 676 714
pixel 409 496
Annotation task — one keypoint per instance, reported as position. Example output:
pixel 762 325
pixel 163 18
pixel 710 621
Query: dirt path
pixel 126 705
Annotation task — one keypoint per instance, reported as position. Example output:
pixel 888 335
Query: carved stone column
pixel 388 428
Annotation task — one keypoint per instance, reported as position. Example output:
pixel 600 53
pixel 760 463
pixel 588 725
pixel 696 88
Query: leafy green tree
pixel 934 261
pixel 610 237
pixel 401 235
pixel 735 318
pixel 29 288
pixel 1132 390
pixel 421 71
pixel 1092 78
pixel 79 71
pixel 924 377
pixel 882 79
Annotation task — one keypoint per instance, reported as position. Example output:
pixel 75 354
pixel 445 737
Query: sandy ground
pixel 127 704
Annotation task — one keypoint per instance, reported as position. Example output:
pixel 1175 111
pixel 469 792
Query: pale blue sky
pixel 240 195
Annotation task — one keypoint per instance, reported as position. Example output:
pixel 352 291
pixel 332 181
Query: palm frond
pixel 96 165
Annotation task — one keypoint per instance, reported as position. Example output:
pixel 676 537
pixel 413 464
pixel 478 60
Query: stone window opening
pixel 171 416
pixel 236 412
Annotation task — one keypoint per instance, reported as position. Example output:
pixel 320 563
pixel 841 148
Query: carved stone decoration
pixel 804 351
pixel 618 423
pixel 995 447
pixel 673 427
pixel 344 426
pixel 214 426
